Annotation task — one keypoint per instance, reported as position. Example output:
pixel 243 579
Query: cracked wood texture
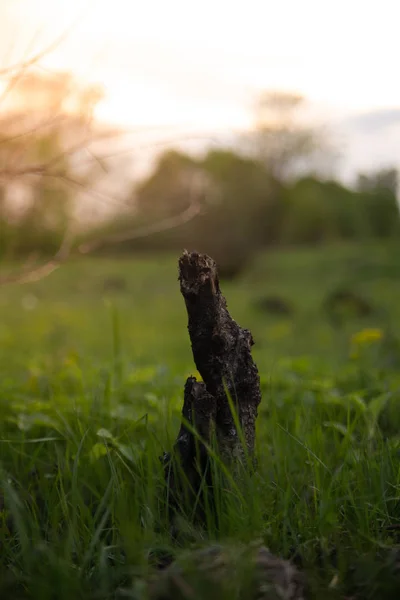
pixel 222 353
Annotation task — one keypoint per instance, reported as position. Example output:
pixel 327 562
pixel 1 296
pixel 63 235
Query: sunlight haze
pixel 201 65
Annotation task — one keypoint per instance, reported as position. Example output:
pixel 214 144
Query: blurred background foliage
pixel 272 188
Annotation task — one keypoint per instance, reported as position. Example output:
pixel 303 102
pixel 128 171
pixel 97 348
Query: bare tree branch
pixel 187 215
pixel 101 196
pixel 43 168
pixel 29 273
pixel 53 168
pixel 167 142
pixel 51 121
pixel 98 160
pixel 36 58
pixel 14 80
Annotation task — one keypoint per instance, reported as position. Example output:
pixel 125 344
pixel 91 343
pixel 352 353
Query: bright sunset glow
pixel 201 64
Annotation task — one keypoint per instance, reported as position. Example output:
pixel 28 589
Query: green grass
pixel 91 387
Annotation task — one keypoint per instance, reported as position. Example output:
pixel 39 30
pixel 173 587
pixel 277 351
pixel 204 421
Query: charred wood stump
pixel 222 354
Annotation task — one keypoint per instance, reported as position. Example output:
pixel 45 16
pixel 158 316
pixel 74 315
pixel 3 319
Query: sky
pixel 199 66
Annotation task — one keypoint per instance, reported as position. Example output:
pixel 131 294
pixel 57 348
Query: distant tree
pixel 165 192
pixel 309 216
pixel 318 211
pixel 383 179
pixel 382 211
pixel 281 140
pixel 245 198
pixel 44 122
pixel 378 191
pixel 241 215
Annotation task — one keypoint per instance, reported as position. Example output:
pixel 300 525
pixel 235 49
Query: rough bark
pixel 222 353
pixel 187 468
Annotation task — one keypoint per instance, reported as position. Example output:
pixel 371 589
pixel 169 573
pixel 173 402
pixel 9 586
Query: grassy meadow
pixel 93 360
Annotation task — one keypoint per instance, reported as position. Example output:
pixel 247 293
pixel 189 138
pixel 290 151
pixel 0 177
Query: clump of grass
pixel 90 399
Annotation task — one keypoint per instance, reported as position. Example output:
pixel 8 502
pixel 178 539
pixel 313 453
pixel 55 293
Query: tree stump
pixel 222 354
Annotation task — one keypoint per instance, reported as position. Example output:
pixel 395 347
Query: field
pixel 93 361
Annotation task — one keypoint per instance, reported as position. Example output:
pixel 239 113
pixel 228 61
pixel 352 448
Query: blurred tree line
pixel 266 193
pixel 271 192
pixel 248 209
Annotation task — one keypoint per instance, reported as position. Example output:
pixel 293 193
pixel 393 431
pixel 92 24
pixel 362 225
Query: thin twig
pixel 22 66
pixel 29 275
pixel 187 215
pixel 44 167
pixel 33 130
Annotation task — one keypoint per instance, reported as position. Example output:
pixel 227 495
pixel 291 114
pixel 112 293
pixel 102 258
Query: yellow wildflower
pixel 365 337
